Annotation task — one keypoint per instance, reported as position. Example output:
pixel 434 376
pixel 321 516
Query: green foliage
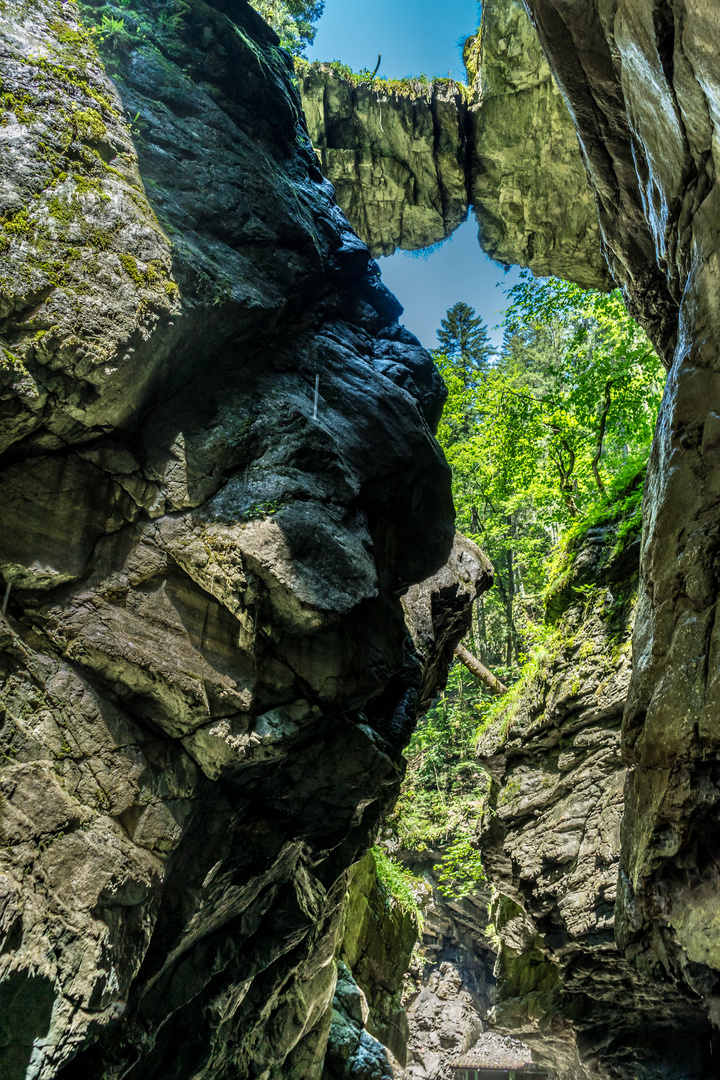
pixel 292 21
pixel 464 342
pixel 399 884
pixel 444 790
pixel 412 85
pixel 542 452
pixel 461 868
pixel 113 32
pixel 536 440
pixel 263 509
pixel 122 25
pixel 622 505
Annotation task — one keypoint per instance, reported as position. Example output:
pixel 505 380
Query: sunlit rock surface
pixel 643 83
pixel 218 477
pixel 528 185
pixel 396 154
pixel 408 159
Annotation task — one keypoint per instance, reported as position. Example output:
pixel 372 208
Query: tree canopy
pixel 464 341
pixel 292 20
pixel 538 435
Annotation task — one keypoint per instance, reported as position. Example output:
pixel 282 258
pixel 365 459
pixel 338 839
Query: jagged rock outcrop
pixel 408 159
pixel 436 611
pixel 352 1052
pixel 206 678
pixel 643 84
pixel 368 1032
pixel 396 153
pixel 528 185
pixel 551 844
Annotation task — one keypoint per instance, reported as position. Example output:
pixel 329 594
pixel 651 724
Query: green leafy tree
pixel 464 340
pixel 292 20
pixel 568 404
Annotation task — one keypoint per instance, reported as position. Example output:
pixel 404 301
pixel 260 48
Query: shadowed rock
pixel 205 676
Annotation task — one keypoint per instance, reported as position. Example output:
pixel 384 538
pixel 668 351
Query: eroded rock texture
pixel 528 185
pixel 551 847
pixel 451 987
pixel 643 83
pixel 396 154
pixel 408 160
pixel 369 1030
pixel 206 678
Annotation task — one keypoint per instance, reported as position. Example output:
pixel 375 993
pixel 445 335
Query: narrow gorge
pixel 232 582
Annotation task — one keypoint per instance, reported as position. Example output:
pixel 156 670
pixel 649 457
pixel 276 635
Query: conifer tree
pixel 464 340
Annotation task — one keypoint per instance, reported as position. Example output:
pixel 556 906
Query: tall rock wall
pixel 643 84
pixel 217 475
pixel 528 185
pixel 550 843
pixel 409 158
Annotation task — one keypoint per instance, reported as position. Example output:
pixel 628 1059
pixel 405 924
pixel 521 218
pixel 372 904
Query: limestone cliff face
pixel 551 846
pixel 218 475
pixel 409 159
pixel 395 153
pixel 643 83
pixel 528 183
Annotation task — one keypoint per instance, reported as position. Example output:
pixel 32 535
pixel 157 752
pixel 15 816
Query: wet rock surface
pixel 205 675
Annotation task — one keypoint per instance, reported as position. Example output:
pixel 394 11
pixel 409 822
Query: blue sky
pixel 419 37
pixel 413 36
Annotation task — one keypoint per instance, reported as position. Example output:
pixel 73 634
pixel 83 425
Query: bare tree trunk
pixel 479 670
pixel 507 602
pixel 481 625
pixel 512 637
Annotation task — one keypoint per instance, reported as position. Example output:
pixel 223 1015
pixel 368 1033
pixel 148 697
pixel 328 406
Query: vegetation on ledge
pixel 548 438
pixel 410 86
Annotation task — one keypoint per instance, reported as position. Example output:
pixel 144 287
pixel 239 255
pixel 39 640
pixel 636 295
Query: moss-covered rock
pixel 550 839
pixel 205 677
pixel 380 934
pixel 409 158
